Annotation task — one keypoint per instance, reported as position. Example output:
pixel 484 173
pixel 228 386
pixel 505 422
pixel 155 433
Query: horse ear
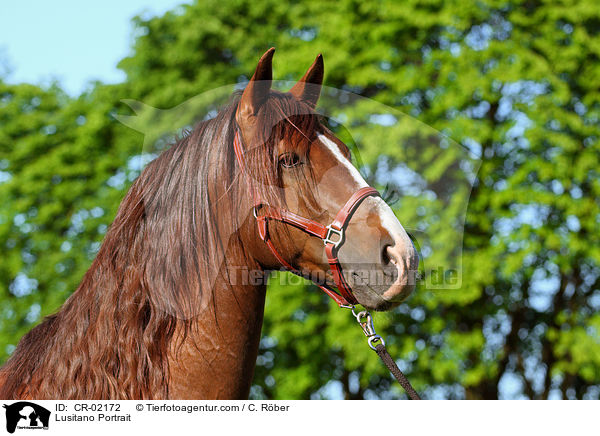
pixel 308 88
pixel 257 90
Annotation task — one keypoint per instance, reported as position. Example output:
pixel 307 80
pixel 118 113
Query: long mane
pixel 151 275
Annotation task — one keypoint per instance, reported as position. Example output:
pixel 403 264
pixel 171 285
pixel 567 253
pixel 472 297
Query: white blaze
pixel 335 150
pixel 388 219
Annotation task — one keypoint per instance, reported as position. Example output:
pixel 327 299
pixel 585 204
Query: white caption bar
pixel 296 417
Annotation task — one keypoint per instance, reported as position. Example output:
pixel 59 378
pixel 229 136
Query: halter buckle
pixel 332 231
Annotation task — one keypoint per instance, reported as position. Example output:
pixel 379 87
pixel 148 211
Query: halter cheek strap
pixel 332 235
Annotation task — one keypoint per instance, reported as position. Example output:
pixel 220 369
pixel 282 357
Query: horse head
pixel 301 179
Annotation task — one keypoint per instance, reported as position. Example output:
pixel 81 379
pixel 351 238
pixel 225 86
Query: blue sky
pixel 71 41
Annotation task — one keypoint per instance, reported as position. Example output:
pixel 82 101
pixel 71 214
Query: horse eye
pixel 289 160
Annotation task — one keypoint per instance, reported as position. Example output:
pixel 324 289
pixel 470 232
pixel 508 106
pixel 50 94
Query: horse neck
pixel 217 356
pixel 214 354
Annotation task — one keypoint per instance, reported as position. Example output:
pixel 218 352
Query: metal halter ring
pixel 333 231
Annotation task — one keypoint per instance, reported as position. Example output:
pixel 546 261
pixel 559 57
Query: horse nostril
pixel 385 256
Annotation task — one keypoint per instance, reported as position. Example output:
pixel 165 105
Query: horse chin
pixel 381 301
pixel 371 300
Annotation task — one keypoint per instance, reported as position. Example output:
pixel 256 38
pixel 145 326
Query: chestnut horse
pixel 172 306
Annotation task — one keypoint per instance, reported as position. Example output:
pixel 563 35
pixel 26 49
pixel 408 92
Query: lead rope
pixel 365 321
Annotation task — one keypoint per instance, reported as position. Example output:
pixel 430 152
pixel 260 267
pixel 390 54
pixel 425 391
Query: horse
pixel 172 305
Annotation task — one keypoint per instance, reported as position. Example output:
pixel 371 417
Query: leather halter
pixel 331 235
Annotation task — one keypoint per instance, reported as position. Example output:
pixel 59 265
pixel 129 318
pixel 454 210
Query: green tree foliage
pixel 515 82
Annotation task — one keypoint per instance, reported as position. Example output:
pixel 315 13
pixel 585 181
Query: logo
pixel 26 415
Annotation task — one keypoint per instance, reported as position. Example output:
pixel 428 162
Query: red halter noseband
pixel 331 235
